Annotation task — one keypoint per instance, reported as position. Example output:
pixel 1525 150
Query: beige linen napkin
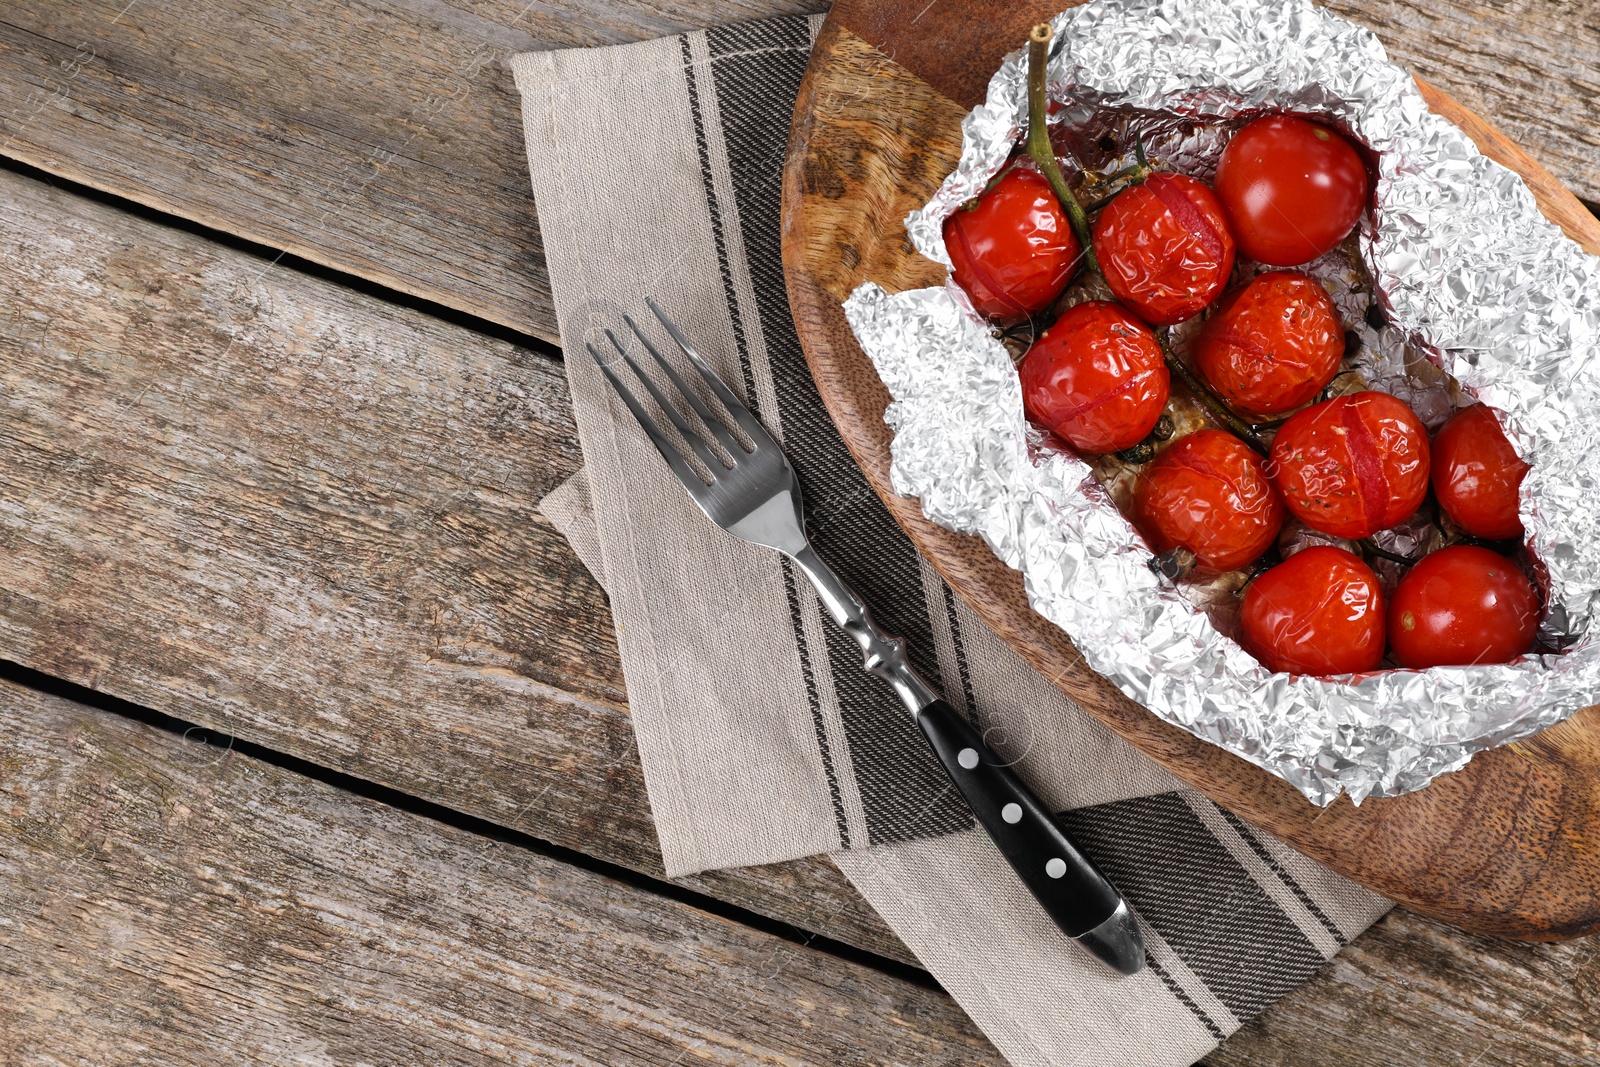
pixel 655 171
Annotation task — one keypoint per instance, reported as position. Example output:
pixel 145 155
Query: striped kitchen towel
pixel 656 171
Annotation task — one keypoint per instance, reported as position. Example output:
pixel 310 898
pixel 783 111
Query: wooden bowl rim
pixel 1250 791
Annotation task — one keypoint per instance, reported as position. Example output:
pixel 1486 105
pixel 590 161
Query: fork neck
pixel 882 655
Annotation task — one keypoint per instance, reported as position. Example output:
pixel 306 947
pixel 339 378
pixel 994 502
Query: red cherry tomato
pixel 1273 346
pixel 1318 612
pixel 1209 493
pixel 1353 465
pixel 1096 378
pixel 1292 189
pixel 1462 605
pixel 1164 248
pixel 1476 475
pixel 1014 250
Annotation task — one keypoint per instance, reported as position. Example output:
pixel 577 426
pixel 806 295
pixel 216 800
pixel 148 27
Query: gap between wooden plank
pixel 278 258
pixel 39 682
pixel 266 483
pixel 161 900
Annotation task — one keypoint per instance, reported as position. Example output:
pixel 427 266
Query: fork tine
pixel 680 466
pixel 707 455
pixel 736 407
pixel 712 423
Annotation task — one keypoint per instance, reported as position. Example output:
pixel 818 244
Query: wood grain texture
pixel 164 901
pixel 282 510
pixel 123 541
pixel 1348 1016
pixel 1530 67
pixel 1413 992
pixel 1503 846
pixel 382 138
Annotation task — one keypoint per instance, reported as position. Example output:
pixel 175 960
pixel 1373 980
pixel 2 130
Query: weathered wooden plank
pixel 168 899
pixel 380 138
pixel 383 139
pixel 277 508
pixel 1530 67
pixel 1414 992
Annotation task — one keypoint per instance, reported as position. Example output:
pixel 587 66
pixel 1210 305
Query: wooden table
pixel 314 746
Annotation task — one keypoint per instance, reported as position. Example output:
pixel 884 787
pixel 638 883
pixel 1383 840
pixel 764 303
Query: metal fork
pixel 757 499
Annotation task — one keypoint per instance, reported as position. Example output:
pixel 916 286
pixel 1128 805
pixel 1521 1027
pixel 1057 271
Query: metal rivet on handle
pixel 1011 813
pixel 1056 868
pixel 968 758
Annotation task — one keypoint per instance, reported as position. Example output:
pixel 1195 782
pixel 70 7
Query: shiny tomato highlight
pixel 1462 605
pixel 1353 465
pixel 1209 493
pixel 1164 248
pixel 1476 475
pixel 1096 378
pixel 1273 345
pixel 1014 250
pixel 1318 612
pixel 1292 189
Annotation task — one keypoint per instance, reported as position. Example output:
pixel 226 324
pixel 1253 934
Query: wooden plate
pixel 1510 845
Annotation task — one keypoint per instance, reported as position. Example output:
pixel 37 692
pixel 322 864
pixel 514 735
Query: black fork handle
pixel 1072 891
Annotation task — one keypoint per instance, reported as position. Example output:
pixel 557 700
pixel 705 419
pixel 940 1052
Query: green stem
pixel 1132 170
pixel 1098 204
pixel 1240 429
pixel 1133 173
pixel 1038 144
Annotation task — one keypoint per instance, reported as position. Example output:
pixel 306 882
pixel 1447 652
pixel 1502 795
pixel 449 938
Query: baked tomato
pixel 1353 465
pixel 1476 475
pixel 1164 248
pixel 1273 345
pixel 1013 250
pixel 1318 612
pixel 1096 378
pixel 1462 605
pixel 1209 493
pixel 1292 189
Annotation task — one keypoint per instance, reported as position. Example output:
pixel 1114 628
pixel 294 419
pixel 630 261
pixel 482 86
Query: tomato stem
pixel 1145 450
pixel 1141 453
pixel 1175 564
pixel 1135 173
pixel 1042 152
pixel 1371 546
pixel 1105 200
pixel 1014 334
pixel 1239 428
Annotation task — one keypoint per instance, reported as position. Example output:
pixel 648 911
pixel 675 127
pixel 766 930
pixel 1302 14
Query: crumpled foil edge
pixel 1468 270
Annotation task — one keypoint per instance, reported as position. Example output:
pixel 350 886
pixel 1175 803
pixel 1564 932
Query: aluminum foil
pixel 1471 275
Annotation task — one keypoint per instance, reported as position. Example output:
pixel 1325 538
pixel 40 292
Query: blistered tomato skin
pixel 1164 248
pixel 1292 189
pixel 1096 378
pixel 1209 493
pixel 1014 251
pixel 1462 605
pixel 1353 465
pixel 1318 612
pixel 1273 345
pixel 1476 475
